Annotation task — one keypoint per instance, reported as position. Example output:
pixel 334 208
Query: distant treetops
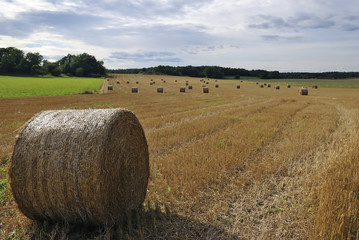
pixel 15 61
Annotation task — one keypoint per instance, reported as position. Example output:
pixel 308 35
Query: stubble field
pixel 248 163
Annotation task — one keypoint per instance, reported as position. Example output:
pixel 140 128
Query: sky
pixel 283 35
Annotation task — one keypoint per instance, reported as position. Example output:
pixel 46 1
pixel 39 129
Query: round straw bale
pixel 257 83
pixel 217 86
pixel 268 85
pixel 164 81
pixel 288 86
pixel 136 82
pixel 189 86
pixel 205 90
pixel 315 86
pixel 303 91
pixel 261 85
pixel 207 82
pixel 109 87
pixel 265 84
pixel 80 166
pixel 186 83
pixel 160 89
pixel 128 82
pixel 182 89
pixel 277 87
pixel 238 86
pixel 135 89
pixel 175 80
pixel 118 82
pixel 215 80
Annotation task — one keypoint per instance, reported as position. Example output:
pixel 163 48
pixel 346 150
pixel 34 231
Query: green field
pixel 11 86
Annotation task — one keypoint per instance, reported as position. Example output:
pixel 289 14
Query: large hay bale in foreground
pixel 303 91
pixel 80 166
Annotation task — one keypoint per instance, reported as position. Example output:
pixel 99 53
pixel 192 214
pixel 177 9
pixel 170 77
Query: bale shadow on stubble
pixel 149 224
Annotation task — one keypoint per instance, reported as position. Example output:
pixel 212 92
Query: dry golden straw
pixel 80 166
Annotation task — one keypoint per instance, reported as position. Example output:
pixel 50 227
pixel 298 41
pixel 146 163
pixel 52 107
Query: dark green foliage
pixel 82 65
pixel 14 61
pixel 218 72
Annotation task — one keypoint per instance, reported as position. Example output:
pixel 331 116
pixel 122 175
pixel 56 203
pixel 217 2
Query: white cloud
pixel 248 33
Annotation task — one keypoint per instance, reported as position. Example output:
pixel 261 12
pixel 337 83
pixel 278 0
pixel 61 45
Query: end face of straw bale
pixel 182 89
pixel 160 89
pixel 80 166
pixel 135 89
pixel 303 91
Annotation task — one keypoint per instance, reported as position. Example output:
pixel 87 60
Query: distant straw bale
pixel 160 89
pixel 205 90
pixel 303 91
pixel 80 166
pixel 288 86
pixel 182 89
pixel 268 85
pixel 189 86
pixel 110 87
pixel 135 89
pixel 238 86
pixel 217 86
pixel 277 87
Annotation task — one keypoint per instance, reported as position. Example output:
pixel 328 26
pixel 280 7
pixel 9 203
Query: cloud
pixel 297 22
pixel 146 56
pixel 135 33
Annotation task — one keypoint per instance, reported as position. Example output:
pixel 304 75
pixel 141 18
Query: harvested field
pixel 250 164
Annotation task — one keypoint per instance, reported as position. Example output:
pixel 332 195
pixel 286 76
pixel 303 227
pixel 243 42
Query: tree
pixel 213 72
pixel 10 59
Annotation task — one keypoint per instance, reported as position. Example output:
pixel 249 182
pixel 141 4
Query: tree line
pixel 221 72
pixel 15 61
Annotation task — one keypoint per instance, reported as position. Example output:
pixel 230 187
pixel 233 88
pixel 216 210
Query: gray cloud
pixel 299 21
pixel 281 38
pixel 146 56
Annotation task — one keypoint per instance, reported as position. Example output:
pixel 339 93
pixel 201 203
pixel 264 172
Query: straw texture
pixel 80 166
